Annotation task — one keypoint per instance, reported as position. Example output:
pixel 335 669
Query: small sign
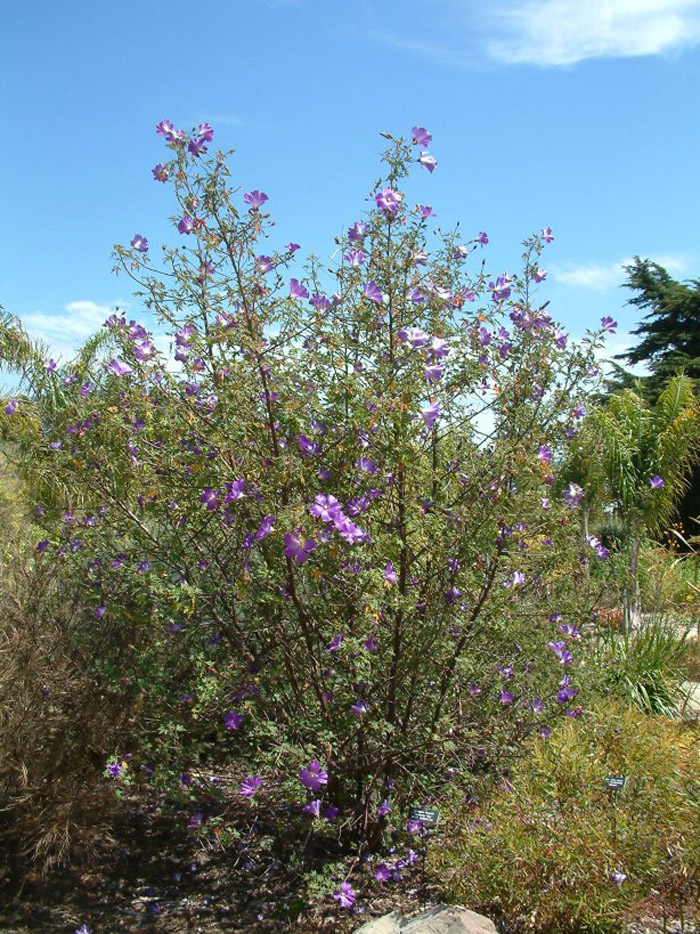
pixel 428 816
pixel 615 782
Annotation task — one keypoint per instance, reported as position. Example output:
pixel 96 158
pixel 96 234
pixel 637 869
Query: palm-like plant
pixel 644 456
pixel 43 400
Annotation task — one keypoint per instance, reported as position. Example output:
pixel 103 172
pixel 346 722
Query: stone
pixel 449 919
pixel 387 924
pixel 442 919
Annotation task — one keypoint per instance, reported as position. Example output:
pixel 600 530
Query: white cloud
pixel 602 276
pixel 563 32
pixel 65 332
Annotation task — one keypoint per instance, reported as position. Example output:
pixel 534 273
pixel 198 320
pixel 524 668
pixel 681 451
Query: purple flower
pixel 547 235
pixel 160 173
pixel 359 708
pixel 140 243
pixel 431 414
pixel 325 507
pixel 500 289
pixel 618 877
pixel 539 275
pixel 210 498
pixel 166 129
pixel 119 368
pixel 185 224
pixel 382 873
pixel 292 247
pixel 579 411
pixel 566 692
pixel 313 808
pixel 297 290
pixel 545 731
pixel 336 642
pixel 388 200
pixel 383 808
pixel 314 776
pixel 506 698
pixel 11 407
pixel 427 161
pixel 425 210
pixel 320 302
pixel 355 257
pixel 115 768
pixel 42 546
pixel 656 482
pixel 434 373
pixel 544 453
pixel 266 526
pixel 206 132
pixel 439 348
pixel 368 465
pixel 390 573
pixel 373 292
pixel 345 895
pixel 331 812
pixel 561 651
pixel 232 720
pixel 421 137
pixel 100 612
pixel 250 785
pixel 357 232
pixel 573 495
pixel 483 238
pixel 83 929
pixel 416 337
pixel 297 548
pixel 255 198
pixel 197 146
pixel 608 324
pixel 264 263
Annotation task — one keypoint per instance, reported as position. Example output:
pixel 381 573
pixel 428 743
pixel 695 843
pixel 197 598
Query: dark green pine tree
pixel 670 331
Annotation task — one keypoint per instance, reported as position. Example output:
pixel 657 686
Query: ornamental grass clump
pixel 328 527
pixel 557 850
pixel 58 720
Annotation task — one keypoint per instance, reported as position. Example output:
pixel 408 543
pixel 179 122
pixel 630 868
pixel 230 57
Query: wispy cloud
pixel 564 32
pixel 602 276
pixel 65 331
pixel 546 33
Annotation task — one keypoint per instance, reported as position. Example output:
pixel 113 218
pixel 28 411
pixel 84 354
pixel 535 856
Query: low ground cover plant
pixel 556 849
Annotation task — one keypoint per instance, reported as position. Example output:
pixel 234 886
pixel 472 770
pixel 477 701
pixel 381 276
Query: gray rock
pixel 443 919
pixel 388 924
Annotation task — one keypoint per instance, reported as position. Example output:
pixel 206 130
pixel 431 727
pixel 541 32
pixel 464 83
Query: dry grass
pixel 57 724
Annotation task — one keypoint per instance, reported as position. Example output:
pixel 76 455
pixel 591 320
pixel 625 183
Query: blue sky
pixel 576 114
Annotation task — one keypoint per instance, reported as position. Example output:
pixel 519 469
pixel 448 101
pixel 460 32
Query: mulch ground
pixel 242 870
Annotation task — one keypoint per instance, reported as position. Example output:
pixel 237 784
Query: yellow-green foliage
pixel 544 850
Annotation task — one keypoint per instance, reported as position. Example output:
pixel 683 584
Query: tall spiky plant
pixel 645 456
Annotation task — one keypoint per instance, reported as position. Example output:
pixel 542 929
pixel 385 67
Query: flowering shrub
pixel 555 850
pixel 329 528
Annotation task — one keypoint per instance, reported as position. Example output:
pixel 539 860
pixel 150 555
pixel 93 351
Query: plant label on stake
pixel 615 782
pixel 427 816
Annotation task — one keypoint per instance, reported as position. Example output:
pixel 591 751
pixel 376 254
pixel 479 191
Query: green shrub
pixel 555 850
pixel 319 550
